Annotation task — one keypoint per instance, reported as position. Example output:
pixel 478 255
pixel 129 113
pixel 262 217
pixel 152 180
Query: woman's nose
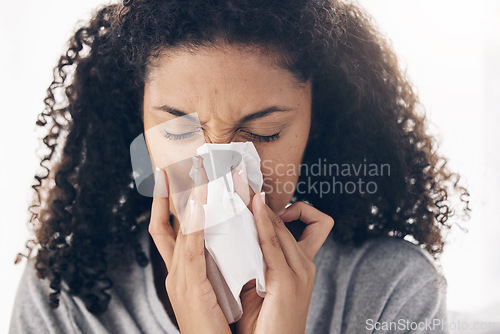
pixel 218 138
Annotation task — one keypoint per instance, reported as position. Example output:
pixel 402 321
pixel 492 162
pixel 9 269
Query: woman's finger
pixel 241 186
pixel 194 248
pixel 269 241
pixel 177 250
pixel 294 254
pixel 318 226
pixel 189 223
pixel 200 189
pixel 159 225
pixel 199 193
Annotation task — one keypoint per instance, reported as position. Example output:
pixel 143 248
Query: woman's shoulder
pixel 133 305
pixel 385 279
pixel 31 312
pixel 378 257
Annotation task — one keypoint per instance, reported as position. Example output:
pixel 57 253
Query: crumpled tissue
pixel 233 252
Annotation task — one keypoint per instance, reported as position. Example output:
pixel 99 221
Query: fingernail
pixel 282 212
pixel 192 207
pixel 160 187
pixel 196 221
pixel 187 224
pixel 196 161
pixel 241 172
pixel 243 175
pixel 263 197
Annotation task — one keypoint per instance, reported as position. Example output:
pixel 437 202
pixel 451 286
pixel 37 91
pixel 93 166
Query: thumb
pixel 318 226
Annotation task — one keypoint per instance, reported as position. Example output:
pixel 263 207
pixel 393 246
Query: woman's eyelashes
pixel 253 136
pixel 249 135
pixel 180 136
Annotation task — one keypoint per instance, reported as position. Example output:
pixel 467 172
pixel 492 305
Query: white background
pixel 450 49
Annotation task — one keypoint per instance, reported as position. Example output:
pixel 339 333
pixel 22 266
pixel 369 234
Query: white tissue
pixel 230 232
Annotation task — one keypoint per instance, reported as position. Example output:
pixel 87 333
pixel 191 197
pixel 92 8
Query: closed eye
pixel 249 135
pixel 261 138
pixel 181 136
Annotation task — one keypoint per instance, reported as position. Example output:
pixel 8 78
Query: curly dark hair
pixel 86 213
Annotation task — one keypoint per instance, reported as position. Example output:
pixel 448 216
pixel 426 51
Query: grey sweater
pixel 385 286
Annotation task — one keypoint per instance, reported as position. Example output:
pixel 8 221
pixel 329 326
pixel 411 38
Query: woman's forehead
pixel 221 79
pixel 220 63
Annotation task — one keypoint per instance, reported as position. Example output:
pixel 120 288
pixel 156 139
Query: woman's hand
pixel 290 269
pixel 192 297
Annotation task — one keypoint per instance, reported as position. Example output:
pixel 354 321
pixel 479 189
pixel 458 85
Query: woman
pixel 309 83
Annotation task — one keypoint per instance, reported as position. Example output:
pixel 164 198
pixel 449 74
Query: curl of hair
pixel 86 213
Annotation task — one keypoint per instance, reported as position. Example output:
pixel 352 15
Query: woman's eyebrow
pixel 249 117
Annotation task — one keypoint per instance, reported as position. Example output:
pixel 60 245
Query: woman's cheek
pixel 280 166
pixel 280 181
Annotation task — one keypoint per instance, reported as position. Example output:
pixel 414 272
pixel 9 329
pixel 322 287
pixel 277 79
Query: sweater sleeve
pixel 395 288
pixel 31 312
